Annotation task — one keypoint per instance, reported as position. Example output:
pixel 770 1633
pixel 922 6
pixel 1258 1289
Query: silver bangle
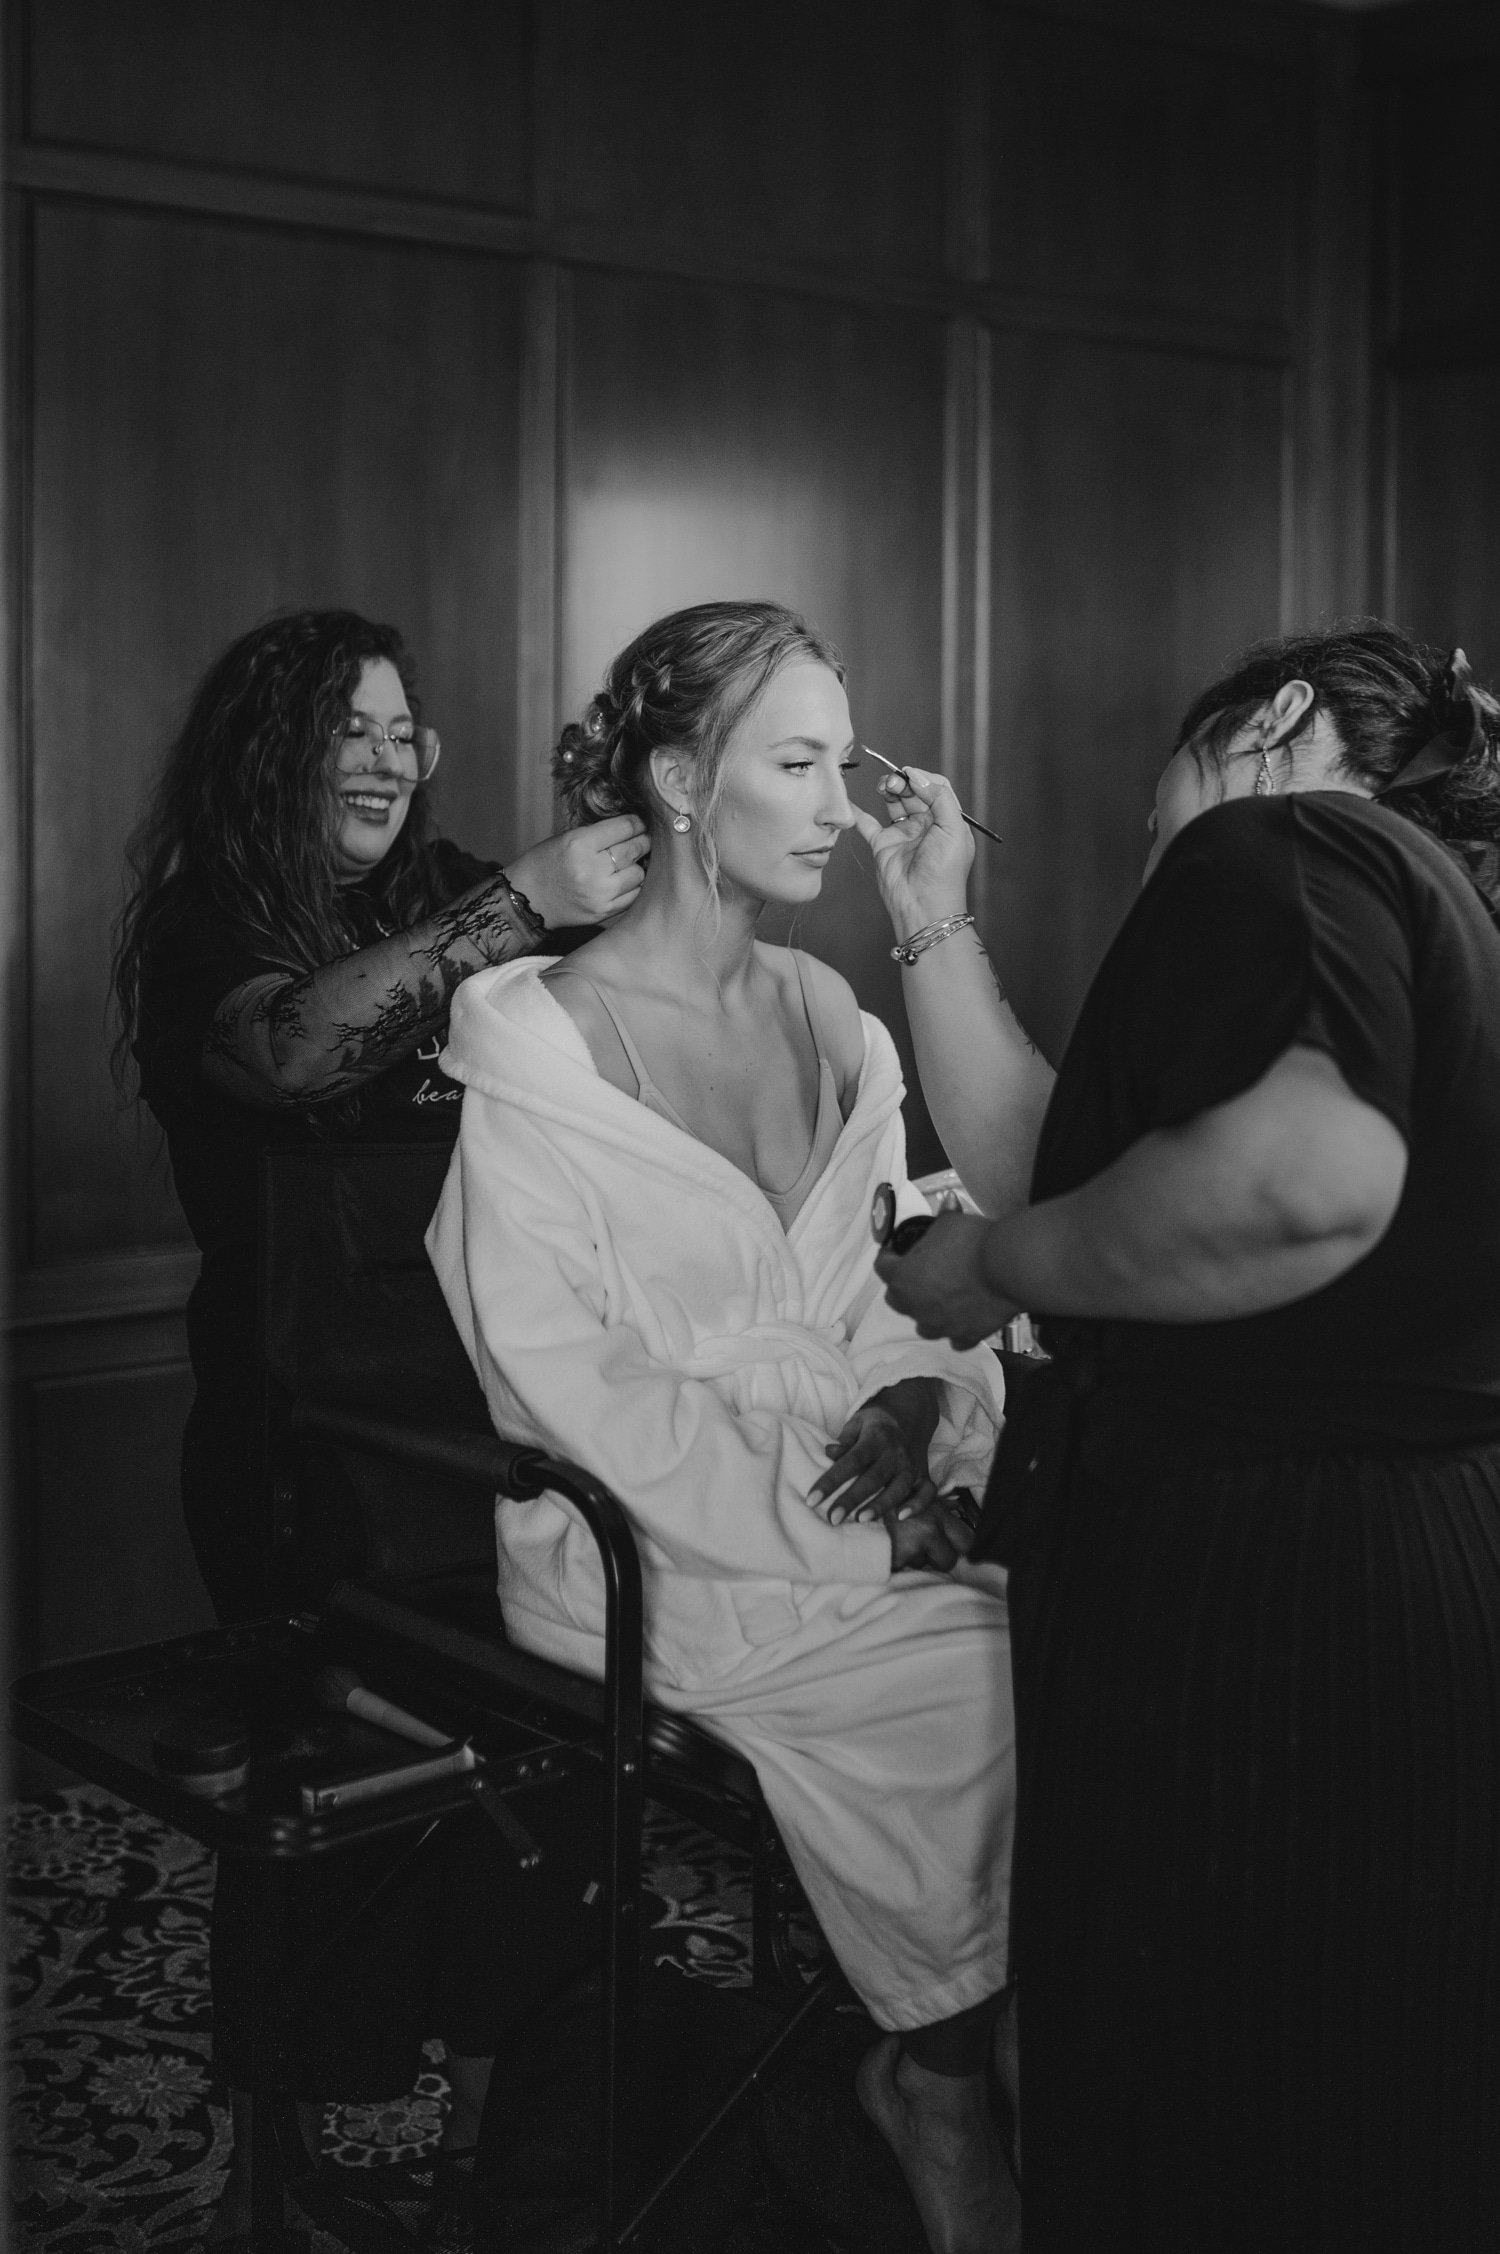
pixel 929 936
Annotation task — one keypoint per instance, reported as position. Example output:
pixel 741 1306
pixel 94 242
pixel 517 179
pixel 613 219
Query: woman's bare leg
pixel 469 2081
pixel 1006 2055
pixel 945 2136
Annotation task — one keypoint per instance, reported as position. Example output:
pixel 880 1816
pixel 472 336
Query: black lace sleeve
pixel 275 1040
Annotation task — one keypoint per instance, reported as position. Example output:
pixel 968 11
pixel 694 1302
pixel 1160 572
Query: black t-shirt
pixel 214 1141
pixel 1318 918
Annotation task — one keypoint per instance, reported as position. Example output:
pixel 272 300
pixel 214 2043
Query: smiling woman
pixel 292 939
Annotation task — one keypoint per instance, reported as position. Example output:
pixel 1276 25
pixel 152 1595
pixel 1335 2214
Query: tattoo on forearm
pixel 1000 994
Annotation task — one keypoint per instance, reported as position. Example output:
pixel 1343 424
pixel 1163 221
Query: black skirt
pixel 1257 1891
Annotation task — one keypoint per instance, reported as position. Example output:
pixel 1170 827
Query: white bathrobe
pixel 629 1300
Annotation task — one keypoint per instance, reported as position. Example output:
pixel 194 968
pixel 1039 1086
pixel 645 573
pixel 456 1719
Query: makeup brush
pixel 907 791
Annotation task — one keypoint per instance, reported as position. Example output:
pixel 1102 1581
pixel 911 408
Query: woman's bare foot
pixel 942 2132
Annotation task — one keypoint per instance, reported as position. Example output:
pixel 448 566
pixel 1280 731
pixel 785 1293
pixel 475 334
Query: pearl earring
pixel 682 823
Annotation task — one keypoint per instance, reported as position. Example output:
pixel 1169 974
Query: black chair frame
pixel 312 1406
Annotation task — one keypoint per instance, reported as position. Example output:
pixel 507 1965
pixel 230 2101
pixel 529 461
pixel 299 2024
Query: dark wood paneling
pixel 722 445
pixel 1137 542
pixel 104 1559
pixel 1448 511
pixel 798 129
pixel 1135 171
pixel 1335 483
pixel 435 100
pixel 227 422
pixel 280 355
pixel 1441 134
pixel 1438 68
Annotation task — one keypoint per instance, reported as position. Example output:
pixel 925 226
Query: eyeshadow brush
pixel 907 791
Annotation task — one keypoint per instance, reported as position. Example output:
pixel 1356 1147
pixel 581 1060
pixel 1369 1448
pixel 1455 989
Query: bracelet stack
pixel 931 935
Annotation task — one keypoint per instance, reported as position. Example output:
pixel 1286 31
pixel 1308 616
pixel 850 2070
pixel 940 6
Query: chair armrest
pixel 508 1467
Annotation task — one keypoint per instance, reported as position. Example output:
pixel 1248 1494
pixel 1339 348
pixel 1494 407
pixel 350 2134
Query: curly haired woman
pixel 292 938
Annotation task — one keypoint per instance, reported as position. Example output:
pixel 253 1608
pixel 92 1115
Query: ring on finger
pixel 613 863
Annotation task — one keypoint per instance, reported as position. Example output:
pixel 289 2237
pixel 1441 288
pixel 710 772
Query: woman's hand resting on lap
pixel 584 876
pixel 932 1539
pixel 879 1470
pixel 941 1283
pixel 880 1458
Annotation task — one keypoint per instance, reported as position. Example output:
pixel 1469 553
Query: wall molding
pixel 1444 351
pixel 92 176
pixel 537 692
pixel 122 1287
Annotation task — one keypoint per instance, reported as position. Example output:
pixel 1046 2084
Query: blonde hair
pixel 685 684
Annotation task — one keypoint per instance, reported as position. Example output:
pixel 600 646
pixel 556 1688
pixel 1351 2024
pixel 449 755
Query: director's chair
pixel 368 1391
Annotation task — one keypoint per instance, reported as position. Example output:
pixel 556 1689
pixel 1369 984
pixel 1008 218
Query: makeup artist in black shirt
pixel 1252 1512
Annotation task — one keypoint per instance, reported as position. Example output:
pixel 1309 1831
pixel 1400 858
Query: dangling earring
pixel 1265 781
pixel 682 823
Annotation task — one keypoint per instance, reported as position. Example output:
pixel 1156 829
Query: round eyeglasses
pixel 413 750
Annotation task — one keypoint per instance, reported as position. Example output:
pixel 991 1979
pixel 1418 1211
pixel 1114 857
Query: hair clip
pixel 1462 736
pixel 594 725
pixel 1456 677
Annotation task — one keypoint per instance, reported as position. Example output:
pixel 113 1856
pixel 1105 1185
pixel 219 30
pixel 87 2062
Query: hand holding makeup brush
pixel 922 852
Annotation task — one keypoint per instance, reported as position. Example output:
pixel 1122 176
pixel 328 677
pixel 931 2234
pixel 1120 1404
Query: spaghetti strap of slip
pixel 810 1006
pixel 647 1092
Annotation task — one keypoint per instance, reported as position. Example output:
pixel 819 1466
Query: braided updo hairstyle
pixel 1391 699
pixel 684 685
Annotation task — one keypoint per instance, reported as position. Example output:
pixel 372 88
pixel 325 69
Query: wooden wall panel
pixel 1443 82
pixel 433 101
pixel 272 346
pixel 798 130
pixel 1447 510
pixel 1439 74
pixel 1137 543
pixel 106 1559
pixel 1132 170
pixel 226 422
pixel 732 444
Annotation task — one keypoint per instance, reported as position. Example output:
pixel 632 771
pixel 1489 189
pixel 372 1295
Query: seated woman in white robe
pixel 655 1241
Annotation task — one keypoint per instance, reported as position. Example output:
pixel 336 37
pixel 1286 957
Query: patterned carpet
pixel 120 2137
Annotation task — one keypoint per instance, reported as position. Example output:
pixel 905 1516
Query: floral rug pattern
pixel 119 2135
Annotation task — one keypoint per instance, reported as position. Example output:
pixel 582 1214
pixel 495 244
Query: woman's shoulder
pixel 570 982
pixel 197 948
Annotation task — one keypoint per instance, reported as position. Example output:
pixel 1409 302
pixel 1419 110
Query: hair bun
pixel 583 768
